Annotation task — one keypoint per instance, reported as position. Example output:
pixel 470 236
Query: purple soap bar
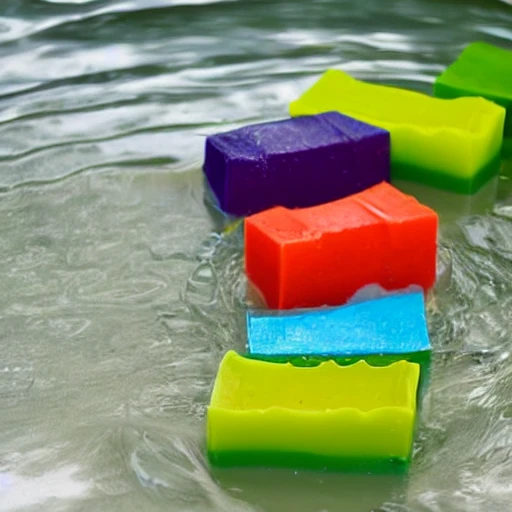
pixel 297 162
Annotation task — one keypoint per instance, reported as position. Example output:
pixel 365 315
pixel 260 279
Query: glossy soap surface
pixel 328 411
pixel 323 255
pixel 295 162
pixel 394 324
pixel 482 69
pixel 450 144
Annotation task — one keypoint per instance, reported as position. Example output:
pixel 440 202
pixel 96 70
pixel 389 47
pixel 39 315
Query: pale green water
pixel 118 298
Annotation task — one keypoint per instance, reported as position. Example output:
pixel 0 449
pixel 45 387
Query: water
pixel 120 291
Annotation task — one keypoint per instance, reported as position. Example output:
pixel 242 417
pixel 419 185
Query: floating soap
pixel 324 254
pixel 389 326
pixel 328 417
pixel 295 162
pixel 450 144
pixel 480 70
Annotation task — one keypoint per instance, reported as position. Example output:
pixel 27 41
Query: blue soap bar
pixel 394 324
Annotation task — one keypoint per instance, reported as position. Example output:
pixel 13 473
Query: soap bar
pixel 449 144
pixel 392 325
pixel 295 162
pixel 480 70
pixel 327 417
pixel 323 255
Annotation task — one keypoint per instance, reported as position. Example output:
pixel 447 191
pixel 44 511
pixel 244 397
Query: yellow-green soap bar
pixel 327 417
pixel 482 69
pixel 451 144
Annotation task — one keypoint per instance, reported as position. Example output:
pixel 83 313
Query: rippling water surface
pixel 120 291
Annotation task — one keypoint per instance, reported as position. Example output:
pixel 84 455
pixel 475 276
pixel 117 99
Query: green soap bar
pixel 330 417
pixel 422 357
pixel 480 70
pixel 451 144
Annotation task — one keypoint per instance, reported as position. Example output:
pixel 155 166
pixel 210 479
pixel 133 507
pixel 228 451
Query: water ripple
pixel 122 287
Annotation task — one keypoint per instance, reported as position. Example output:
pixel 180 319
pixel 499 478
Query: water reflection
pixel 451 206
pixel 278 490
pixel 22 491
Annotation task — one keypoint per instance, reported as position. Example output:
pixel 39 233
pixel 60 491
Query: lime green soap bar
pixel 423 358
pixel 451 144
pixel 480 70
pixel 325 417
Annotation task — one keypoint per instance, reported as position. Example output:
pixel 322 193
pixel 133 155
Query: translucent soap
pixel 327 417
pixel 482 69
pixel 451 144
pixel 323 255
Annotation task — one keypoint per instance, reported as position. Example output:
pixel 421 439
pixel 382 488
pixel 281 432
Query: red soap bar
pixel 324 254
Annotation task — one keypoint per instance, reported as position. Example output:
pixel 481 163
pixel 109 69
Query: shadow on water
pixel 282 490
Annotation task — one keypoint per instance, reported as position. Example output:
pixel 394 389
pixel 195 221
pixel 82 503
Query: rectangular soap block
pixel 327 417
pixel 451 144
pixel 323 255
pixel 482 69
pixel 296 162
pixel 392 325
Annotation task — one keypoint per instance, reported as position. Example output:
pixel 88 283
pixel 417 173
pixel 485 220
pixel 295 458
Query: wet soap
pixel 356 417
pixel 389 326
pixel 482 69
pixel 451 144
pixel 324 254
pixel 296 162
